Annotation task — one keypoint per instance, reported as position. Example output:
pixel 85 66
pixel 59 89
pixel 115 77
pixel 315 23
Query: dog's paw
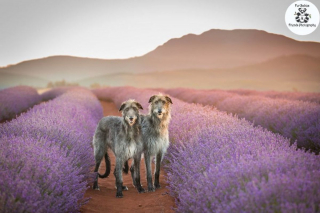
pixel 96 187
pixel 134 184
pixel 151 189
pixel 119 195
pixel 124 188
pixel 157 186
pixel 141 190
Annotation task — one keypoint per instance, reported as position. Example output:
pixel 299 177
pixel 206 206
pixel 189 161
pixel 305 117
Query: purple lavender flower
pixel 46 156
pixel 298 96
pixel 294 119
pixel 219 163
pixel 17 99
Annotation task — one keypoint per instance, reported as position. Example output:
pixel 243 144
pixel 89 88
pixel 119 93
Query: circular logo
pixel 302 17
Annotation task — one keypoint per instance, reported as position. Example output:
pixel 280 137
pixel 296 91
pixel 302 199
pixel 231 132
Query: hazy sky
pixel 120 29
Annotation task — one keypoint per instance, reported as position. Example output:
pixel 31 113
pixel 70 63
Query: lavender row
pixel 219 163
pixel 55 92
pixel 298 96
pixel 296 120
pixel 46 155
pixel 15 100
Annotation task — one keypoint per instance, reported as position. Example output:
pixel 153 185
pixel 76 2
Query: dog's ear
pixel 122 106
pixel 168 99
pixel 139 105
pixel 152 98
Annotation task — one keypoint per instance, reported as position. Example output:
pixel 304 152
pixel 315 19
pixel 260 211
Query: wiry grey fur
pixel 155 135
pixel 123 136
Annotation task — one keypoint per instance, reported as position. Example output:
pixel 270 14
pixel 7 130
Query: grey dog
pixel 123 136
pixel 155 136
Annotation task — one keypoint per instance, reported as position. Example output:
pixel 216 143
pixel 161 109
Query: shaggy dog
pixel 155 136
pixel 123 136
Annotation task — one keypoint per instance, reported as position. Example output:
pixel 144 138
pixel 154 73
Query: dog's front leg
pixel 157 170
pixel 118 174
pixel 136 174
pixel 149 172
pixel 133 173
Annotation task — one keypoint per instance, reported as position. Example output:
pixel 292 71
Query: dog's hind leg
pixel 98 161
pixel 149 171
pixel 108 166
pixel 98 155
pixel 136 174
pixel 99 151
pixel 95 183
pixel 157 170
pixel 126 167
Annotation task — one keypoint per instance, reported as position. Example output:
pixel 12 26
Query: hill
pixel 214 49
pixel 285 73
pixel 9 80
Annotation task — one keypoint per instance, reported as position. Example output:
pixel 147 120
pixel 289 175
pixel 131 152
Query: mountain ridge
pixel 213 49
pixel 303 74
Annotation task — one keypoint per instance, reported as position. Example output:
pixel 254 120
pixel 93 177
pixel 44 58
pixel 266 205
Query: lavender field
pixel 298 96
pixel 294 119
pixel 46 155
pixel 14 100
pixel 219 163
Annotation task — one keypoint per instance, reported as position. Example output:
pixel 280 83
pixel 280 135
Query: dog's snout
pixel 159 111
pixel 131 118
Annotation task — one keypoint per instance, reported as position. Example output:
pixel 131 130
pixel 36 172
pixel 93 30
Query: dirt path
pixel 105 200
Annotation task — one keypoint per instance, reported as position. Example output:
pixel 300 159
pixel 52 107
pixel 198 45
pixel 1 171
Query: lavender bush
pixel 55 92
pixel 219 163
pixel 38 176
pixel 298 96
pixel 46 154
pixel 17 99
pixel 296 120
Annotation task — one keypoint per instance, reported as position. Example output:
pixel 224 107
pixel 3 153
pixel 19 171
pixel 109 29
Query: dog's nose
pixel 131 118
pixel 159 111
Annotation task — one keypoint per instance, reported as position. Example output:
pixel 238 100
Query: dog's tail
pixel 108 166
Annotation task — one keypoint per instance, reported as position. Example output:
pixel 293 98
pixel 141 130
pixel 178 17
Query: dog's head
pixel 160 105
pixel 130 111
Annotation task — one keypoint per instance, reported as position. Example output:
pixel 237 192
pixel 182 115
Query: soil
pixel 105 200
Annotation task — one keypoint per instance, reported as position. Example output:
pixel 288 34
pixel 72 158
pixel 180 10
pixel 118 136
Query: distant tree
pixel 61 83
pixel 50 84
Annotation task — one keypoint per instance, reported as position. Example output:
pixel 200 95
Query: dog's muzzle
pixel 131 121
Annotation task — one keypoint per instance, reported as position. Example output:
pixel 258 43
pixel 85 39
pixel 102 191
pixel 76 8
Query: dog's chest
pixel 158 144
pixel 131 149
